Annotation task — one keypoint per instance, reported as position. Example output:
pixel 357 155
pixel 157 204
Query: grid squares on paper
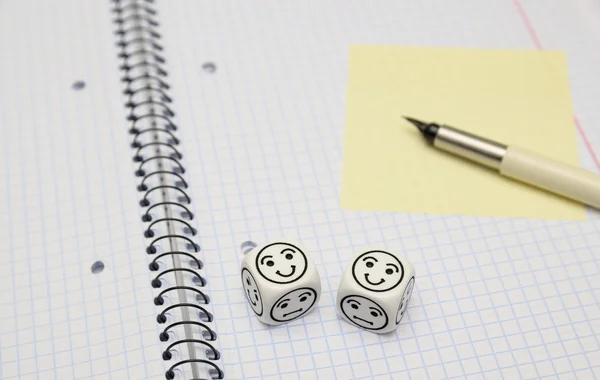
pixel 515 298
pixel 69 197
pixel 262 136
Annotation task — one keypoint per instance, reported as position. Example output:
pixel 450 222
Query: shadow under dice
pixel 375 290
pixel 280 282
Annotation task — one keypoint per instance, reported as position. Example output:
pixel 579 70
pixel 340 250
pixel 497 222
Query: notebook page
pixel 511 298
pixel 68 200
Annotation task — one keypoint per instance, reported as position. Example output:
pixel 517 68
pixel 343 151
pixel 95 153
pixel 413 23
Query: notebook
pixel 147 144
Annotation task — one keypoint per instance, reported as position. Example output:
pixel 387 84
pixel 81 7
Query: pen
pixel 515 162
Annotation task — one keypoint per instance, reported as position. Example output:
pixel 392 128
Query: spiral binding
pixel 159 170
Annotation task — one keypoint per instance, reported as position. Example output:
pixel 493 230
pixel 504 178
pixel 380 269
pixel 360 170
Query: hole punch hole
pixel 169 336
pixel 211 355
pixel 183 199
pixel 247 246
pixel 192 247
pixel 174 354
pixel 209 67
pixel 97 267
pixel 189 231
pixel 78 85
pixel 201 300
pixel 197 281
pixel 164 318
pixel 208 336
pixel 154 249
pixel 205 317
pixel 177 373
pixel 163 300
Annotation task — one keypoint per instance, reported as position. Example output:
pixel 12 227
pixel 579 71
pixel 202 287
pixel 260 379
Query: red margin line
pixel 538 45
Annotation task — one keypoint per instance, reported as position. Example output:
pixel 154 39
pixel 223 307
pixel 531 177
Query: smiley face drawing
pixel 363 312
pixel 405 299
pixel 252 292
pixel 377 271
pixel 293 304
pixel 281 263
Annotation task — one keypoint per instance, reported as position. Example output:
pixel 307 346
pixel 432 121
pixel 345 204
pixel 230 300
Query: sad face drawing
pixel 364 312
pixel 293 304
pixel 252 292
pixel 405 299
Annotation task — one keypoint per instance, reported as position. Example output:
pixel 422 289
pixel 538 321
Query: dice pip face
pixel 294 304
pixel 280 282
pixel 252 292
pixel 375 290
pixel 377 271
pixel 364 312
pixel 281 263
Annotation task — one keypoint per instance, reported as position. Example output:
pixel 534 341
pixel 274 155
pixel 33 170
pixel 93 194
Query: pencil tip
pixel 417 123
pixel 429 131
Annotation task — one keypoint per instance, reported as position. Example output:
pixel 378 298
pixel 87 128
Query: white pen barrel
pixel 557 177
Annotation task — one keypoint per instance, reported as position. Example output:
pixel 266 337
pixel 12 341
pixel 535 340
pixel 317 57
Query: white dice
pixel 375 290
pixel 280 281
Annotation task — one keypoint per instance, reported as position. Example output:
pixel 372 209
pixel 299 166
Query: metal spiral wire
pixel 159 169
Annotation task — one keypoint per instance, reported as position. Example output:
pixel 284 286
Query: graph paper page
pixel 68 199
pixel 261 89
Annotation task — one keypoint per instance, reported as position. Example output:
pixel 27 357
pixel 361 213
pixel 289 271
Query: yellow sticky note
pixel 518 97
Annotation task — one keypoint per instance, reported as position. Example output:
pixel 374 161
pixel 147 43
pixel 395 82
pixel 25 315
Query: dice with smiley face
pixel 375 290
pixel 280 282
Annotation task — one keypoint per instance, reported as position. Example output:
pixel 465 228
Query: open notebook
pixel 144 142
